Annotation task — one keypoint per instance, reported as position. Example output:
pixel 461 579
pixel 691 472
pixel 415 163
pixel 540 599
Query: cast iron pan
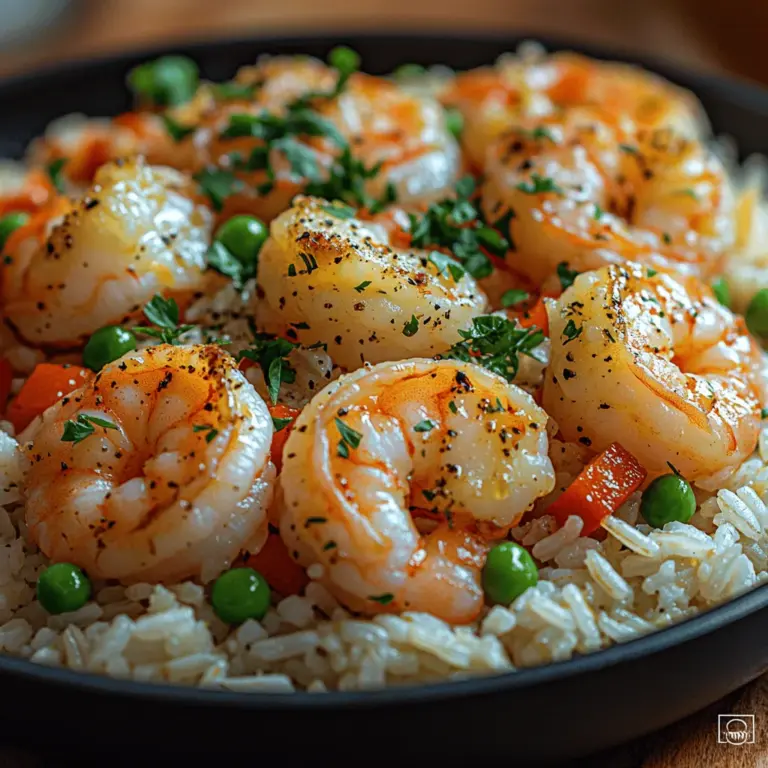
pixel 560 711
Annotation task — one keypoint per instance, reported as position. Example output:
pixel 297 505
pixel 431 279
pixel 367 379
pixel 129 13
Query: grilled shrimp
pixel 337 281
pixel 445 444
pixel 657 364
pixel 399 139
pixel 172 478
pixel 79 266
pixel 532 85
pixel 586 194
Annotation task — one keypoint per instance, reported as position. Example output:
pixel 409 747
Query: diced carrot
pixel 600 489
pixel 6 377
pixel 47 384
pixel 279 438
pixel 536 316
pixel 90 157
pixel 276 565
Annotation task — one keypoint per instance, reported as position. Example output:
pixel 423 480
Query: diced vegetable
pixel 10 223
pixel 63 588
pixel 277 566
pixel 600 489
pixel 667 499
pixel 281 413
pixel 47 384
pixel 509 571
pixel 757 314
pixel 536 316
pixel 240 594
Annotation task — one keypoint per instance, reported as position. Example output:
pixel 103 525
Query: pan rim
pixel 719 617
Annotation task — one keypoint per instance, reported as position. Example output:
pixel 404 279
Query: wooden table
pixel 707 34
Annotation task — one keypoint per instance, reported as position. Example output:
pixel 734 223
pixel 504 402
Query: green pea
pixel 667 499
pixel 9 223
pixel 240 594
pixel 107 344
pixel 509 570
pixel 243 236
pixel 757 314
pixel 454 122
pixel 344 59
pixel 165 82
pixel 722 291
pixel 63 588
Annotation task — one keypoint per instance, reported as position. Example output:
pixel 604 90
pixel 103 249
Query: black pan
pixel 559 711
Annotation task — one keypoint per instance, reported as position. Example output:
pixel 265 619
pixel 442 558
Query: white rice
pixel 590 595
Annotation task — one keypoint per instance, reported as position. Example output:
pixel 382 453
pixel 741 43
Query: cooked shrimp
pixel 337 281
pixel 445 437
pixel 587 195
pixel 657 364
pixel 403 136
pixel 533 85
pixel 78 146
pixel 79 266
pixel 174 487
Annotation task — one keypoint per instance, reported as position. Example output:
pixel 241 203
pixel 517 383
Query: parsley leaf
pixel 233 90
pixel 218 185
pixel 55 167
pixel 447 265
pixel 567 276
pixel 209 429
pixel 495 343
pixel 339 210
pixel 84 426
pixel 360 288
pixel 411 326
pixel 384 599
pixel 280 423
pixel 571 332
pixel 176 130
pixel 350 438
pixel 163 313
pixel 424 426
pixel 269 353
pixel 220 258
pixel 539 185
pixel 514 296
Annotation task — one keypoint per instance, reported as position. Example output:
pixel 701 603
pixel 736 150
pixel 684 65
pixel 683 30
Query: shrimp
pixel 77 146
pixel 588 195
pixel 657 364
pixel 78 266
pixel 337 281
pixel 450 439
pixel 173 482
pixel 394 138
pixel 532 85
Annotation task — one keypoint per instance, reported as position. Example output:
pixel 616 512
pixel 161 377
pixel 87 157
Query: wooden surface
pixel 705 34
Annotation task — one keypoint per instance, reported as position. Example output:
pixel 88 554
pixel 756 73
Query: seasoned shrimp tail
pixel 442 443
pixel 158 470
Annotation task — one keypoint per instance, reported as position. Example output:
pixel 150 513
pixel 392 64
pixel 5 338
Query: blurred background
pixel 705 34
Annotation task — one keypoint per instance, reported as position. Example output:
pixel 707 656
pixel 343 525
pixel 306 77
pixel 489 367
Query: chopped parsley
pixel 384 599
pixel 310 262
pixel 764 413
pixel 539 185
pixel 83 426
pixel 176 130
pixel 217 185
pixel 280 423
pixel 571 332
pixel 55 167
pixel 209 429
pixel 447 265
pixel 598 213
pixel 566 275
pixel 350 438
pixel 220 258
pixel 232 90
pixel 424 426
pixel 269 353
pixel 360 288
pixel 495 343
pixel 514 296
pixel 452 407
pixel 164 315
pixel 338 210
pixel 722 291
pixel 411 326
pixel 629 149
pixel 457 226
